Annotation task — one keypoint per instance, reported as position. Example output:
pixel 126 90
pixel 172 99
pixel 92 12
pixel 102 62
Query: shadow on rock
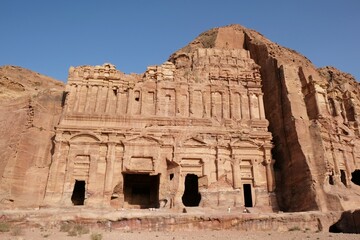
pixel 349 222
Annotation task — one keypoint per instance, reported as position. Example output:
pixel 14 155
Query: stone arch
pixel 85 137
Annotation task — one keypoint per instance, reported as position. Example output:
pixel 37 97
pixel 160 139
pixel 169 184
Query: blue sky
pixel 50 36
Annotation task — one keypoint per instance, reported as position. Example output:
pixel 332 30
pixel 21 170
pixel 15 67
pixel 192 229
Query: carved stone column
pixel 55 184
pixel 269 165
pixel 245 108
pixel 108 185
pixel 225 104
pixel 253 105
pixel 77 98
pixel 236 173
pixel 347 168
pixel 98 98
pixel 108 99
pixel 88 96
pixel 261 107
pixel 270 178
pixel 336 163
pixel 207 102
pixel 255 172
pixel 66 190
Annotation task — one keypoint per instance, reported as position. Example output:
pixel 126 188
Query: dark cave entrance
pixel 141 190
pixel 247 195
pixel 191 197
pixel 78 196
pixel 355 177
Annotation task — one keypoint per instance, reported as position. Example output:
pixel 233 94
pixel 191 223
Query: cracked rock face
pixel 229 79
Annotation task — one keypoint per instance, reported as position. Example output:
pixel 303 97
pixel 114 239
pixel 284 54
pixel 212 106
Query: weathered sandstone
pixel 173 137
pixel 30 106
pixel 232 119
pixel 312 115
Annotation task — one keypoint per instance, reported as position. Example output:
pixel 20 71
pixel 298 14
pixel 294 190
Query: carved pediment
pixel 144 140
pixel 194 142
pixel 244 143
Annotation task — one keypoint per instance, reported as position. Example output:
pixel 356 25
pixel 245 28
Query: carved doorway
pixel 78 196
pixel 191 197
pixel 248 202
pixel 141 190
pixel 343 177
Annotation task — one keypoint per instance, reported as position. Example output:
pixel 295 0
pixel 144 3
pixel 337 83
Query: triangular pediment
pixel 143 140
pixel 244 143
pixel 194 142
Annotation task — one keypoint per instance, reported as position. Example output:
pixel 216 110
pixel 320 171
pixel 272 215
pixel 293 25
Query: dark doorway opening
pixel 78 195
pixel 141 190
pixel 191 197
pixel 343 177
pixel 331 180
pixel 355 177
pixel 247 195
pixel 334 228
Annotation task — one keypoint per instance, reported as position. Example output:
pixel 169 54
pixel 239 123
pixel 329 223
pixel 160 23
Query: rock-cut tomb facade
pixel 170 138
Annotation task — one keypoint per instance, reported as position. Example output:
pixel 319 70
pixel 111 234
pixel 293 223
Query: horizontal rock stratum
pixel 230 120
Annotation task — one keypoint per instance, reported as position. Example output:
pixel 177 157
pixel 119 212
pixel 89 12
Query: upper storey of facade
pixel 209 88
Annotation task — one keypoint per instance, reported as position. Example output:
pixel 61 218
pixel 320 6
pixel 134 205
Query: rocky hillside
pixel 30 106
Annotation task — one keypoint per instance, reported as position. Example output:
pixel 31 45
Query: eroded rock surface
pixel 30 106
pixel 221 110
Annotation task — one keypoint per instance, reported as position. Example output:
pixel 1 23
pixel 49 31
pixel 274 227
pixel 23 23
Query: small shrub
pixel 96 236
pixel 16 231
pixel 72 233
pixel 81 229
pixel 4 227
pixel 74 229
pixel 46 235
pixel 65 227
pixel 296 228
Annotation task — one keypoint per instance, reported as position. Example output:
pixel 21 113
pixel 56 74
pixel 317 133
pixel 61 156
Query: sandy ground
pixel 35 234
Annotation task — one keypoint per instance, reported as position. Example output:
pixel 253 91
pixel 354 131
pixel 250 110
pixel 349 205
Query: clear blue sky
pixel 50 36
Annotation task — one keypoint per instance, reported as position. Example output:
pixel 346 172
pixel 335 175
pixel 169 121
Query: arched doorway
pixel 191 197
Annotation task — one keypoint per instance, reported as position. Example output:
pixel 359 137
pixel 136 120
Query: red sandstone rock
pixel 309 112
pixel 30 106
pixel 204 112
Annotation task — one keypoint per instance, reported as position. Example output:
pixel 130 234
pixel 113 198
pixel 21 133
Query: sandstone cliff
pixel 30 108
pixel 312 115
